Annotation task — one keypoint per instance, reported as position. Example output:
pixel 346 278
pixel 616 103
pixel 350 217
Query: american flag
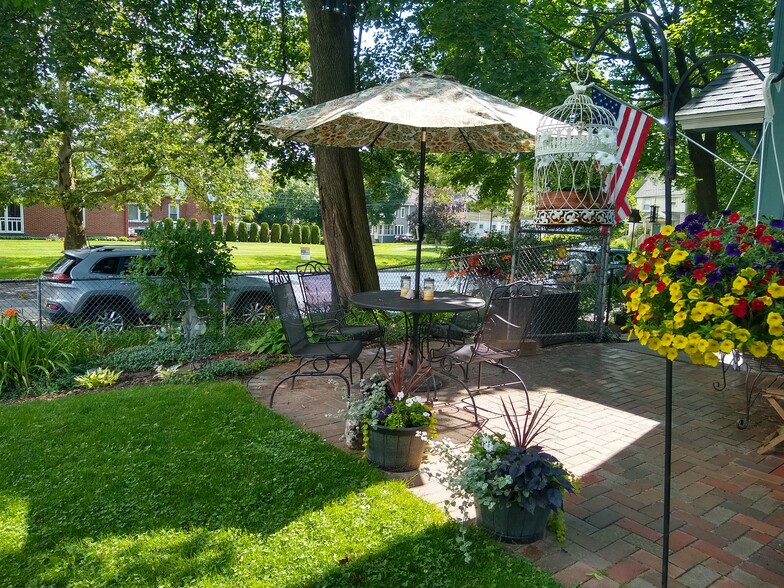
pixel 633 126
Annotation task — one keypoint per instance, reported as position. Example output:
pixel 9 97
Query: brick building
pixel 41 221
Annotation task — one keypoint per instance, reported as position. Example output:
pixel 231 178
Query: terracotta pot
pixel 395 450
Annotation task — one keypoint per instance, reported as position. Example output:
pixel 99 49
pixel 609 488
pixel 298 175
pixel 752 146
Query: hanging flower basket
pixel 576 156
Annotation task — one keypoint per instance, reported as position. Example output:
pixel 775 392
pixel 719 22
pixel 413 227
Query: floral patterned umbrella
pixel 414 113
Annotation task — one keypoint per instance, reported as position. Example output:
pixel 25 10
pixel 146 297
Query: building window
pixel 137 214
pixel 11 219
pixel 174 210
pixel 217 217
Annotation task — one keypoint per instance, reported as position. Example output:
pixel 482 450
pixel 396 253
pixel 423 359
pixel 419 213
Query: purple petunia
pixel 777 223
pixel 777 246
pixel 700 259
pixel 731 270
pixel 693 224
pixel 682 270
pixel 714 277
pixel 732 249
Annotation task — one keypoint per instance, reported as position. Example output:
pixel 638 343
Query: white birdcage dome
pixel 576 155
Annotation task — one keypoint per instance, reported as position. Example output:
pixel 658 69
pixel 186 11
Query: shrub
pixel 242 232
pixel 218 236
pixel 147 357
pixel 264 235
pixel 168 224
pixel 296 234
pixel 193 224
pixel 231 232
pixel 285 233
pixel 206 227
pixel 272 341
pixel 305 234
pixel 275 233
pixel 181 224
pixel 253 235
pixel 315 234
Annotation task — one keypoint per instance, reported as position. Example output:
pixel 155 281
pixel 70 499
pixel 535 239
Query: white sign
pixel 304 253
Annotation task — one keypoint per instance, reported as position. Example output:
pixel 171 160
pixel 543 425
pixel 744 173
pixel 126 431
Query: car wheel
pixel 251 310
pixel 108 318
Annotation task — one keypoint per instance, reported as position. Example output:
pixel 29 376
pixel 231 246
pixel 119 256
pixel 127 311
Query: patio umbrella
pixel 414 113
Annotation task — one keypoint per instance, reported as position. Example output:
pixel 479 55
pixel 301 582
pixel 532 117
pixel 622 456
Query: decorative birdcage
pixel 576 157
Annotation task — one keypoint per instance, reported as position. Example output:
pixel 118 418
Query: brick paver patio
pixel 608 402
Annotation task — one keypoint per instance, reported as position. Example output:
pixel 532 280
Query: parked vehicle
pixel 90 285
pixel 405 238
pixel 581 264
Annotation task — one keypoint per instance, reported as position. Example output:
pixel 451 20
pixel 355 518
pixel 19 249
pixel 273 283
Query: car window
pixel 107 265
pixel 61 266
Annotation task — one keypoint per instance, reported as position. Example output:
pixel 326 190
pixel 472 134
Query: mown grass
pixel 201 486
pixel 28 258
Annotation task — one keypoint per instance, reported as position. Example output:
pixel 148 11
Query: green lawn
pixel 202 486
pixel 28 258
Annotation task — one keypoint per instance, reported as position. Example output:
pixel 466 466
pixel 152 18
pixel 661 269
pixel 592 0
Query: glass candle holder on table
pixel 405 285
pixel 429 289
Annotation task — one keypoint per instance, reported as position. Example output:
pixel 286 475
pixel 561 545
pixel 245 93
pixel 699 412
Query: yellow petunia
pixel 694 294
pixel 742 335
pixel 727 300
pixel 679 341
pixel 672 354
pixel 775 290
pixel 739 285
pixel 667 230
pixel 678 256
pixel 726 346
pixel 774 319
pixel 758 349
pixel 710 359
pixel 777 348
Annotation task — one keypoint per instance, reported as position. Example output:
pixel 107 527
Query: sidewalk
pixel 727 525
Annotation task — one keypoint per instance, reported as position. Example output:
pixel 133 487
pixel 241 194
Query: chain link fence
pixel 568 266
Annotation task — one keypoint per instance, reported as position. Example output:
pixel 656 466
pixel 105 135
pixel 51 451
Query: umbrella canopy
pixel 456 118
pixel 423 112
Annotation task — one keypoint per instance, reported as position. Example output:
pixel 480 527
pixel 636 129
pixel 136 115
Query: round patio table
pixel 415 308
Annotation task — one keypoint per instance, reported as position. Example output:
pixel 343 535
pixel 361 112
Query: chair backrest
pixel 288 311
pixel 319 291
pixel 508 316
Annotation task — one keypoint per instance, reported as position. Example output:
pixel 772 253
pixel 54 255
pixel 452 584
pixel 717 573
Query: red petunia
pixel 742 229
pixel 741 308
pixel 734 217
pixel 757 304
pixel 689 244
pixel 709 266
pixel 715 245
pixel 715 232
pixel 661 286
pixel 766 239
pixel 705 233
pixel 698 274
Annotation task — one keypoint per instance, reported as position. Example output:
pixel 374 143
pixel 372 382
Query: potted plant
pixel 708 287
pixel 395 422
pixel 514 484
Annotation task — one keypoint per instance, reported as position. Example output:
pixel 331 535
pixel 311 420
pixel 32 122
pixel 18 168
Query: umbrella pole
pixel 420 227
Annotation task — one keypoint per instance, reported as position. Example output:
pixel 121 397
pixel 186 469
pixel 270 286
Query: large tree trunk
pixel 66 185
pixel 339 171
pixel 705 193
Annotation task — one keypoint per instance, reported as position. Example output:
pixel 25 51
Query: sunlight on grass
pixel 13 524
pixel 200 485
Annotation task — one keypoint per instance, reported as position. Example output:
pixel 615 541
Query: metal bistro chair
pixel 326 315
pixel 500 337
pixel 317 355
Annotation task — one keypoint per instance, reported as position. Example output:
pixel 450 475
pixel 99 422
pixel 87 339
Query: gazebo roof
pixel 731 102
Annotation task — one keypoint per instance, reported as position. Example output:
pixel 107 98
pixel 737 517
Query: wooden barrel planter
pixel 396 450
pixel 511 523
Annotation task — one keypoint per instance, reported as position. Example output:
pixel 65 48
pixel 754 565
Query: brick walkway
pixel 608 402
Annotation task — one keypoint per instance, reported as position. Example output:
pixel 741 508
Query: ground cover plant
pixel 27 258
pixel 201 485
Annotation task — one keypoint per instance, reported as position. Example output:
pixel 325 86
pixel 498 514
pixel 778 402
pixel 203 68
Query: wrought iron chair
pixel 500 337
pixel 316 355
pixel 327 316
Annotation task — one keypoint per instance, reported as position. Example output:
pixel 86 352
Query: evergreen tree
pixel 264 235
pixel 206 227
pixel 242 232
pixel 181 224
pixel 219 231
pixel 168 225
pixel 275 233
pixel 193 225
pixel 315 234
pixel 296 233
pixel 305 234
pixel 285 233
pixel 231 232
pixel 253 236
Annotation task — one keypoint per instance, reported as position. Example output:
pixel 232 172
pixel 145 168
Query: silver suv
pixel 90 285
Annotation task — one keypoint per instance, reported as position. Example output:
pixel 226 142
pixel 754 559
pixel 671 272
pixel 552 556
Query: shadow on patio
pixel 608 406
